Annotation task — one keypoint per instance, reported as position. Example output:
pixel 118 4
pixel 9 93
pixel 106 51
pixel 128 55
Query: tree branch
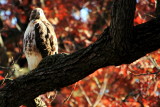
pixel 157 8
pixel 121 27
pixel 62 70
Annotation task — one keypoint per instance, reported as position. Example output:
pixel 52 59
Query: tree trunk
pixel 61 70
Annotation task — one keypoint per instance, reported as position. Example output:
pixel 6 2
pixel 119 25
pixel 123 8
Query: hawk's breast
pixel 30 49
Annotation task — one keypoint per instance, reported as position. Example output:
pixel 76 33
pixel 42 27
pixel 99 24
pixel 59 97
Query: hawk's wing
pixel 45 38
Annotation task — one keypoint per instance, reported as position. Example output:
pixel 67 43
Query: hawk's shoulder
pixel 45 38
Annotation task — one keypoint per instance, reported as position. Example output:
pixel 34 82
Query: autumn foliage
pixel 78 24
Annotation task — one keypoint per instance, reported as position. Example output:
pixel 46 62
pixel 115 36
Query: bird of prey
pixel 39 39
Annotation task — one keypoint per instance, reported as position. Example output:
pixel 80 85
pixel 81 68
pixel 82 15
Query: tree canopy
pixel 112 32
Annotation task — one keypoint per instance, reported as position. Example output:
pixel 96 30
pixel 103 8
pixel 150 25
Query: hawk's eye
pixel 34 11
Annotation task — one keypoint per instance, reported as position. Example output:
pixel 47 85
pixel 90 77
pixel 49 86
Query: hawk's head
pixel 37 13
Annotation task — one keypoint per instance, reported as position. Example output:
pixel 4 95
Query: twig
pixel 97 82
pixel 2 67
pixel 155 88
pixel 153 62
pixel 102 91
pixel 70 94
pixel 55 95
pixel 18 27
pixel 98 10
pixel 5 78
pixel 145 73
pixel 42 3
pixel 12 69
pixel 1 41
pixel 85 95
pixel 133 93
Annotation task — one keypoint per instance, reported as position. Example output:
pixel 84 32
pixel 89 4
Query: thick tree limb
pixel 62 70
pixel 122 16
pixel 121 28
pixel 157 8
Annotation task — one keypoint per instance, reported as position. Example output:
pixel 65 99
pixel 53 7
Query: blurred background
pixel 79 23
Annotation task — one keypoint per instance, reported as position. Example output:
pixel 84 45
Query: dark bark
pixel 122 16
pixel 158 8
pixel 61 70
pixel 1 24
pixel 121 28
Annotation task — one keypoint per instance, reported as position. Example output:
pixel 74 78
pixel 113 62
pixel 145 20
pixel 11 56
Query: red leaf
pixel 1 72
pixel 1 78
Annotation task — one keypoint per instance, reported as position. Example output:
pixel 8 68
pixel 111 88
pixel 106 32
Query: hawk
pixel 39 39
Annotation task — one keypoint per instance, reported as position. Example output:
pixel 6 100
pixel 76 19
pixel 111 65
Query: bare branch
pixel 102 91
pixel 155 73
pixel 85 95
pixel 70 94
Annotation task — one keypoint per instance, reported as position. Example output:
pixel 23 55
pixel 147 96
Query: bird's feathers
pixel 39 41
pixel 46 39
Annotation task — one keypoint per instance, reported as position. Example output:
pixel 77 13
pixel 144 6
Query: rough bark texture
pixel 61 70
pixel 122 16
pixel 158 8
pixel 121 28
